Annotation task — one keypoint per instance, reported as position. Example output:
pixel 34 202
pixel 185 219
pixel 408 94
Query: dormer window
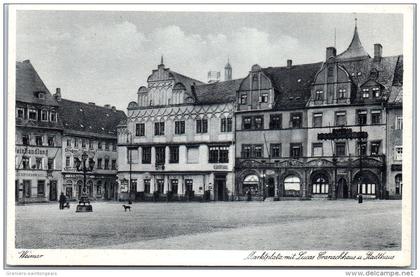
pixel 365 93
pixel 376 92
pixel 319 95
pixel 53 116
pixel 341 93
pixel 40 94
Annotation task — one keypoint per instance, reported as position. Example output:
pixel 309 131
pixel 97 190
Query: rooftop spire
pixel 161 59
pixel 355 48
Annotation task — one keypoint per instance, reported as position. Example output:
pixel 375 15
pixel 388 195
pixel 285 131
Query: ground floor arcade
pixel 98 186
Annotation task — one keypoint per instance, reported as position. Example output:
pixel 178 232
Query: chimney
pixel 289 63
pixel 377 52
pixel 58 94
pixel 331 52
pixel 107 106
pixel 113 109
pixel 91 103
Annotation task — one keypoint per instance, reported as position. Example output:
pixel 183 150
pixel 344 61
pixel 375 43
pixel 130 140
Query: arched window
pixel 320 185
pixel 292 186
pixel 398 184
pixel 250 184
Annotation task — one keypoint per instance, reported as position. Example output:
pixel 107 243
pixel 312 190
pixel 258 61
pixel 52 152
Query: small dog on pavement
pixel 127 207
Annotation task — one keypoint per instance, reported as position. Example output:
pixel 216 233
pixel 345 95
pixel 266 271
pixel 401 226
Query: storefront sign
pixel 77 151
pixel 218 166
pixel 31 151
pixel 396 167
pixel 30 174
pixel 342 133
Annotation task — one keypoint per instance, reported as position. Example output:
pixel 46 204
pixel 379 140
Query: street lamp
pixel 84 202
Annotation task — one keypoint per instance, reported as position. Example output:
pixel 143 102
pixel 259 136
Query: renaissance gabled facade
pixel 177 142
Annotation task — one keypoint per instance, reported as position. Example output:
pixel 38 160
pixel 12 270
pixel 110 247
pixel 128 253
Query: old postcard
pixel 209 135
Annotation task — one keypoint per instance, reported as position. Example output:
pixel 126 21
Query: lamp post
pixel 84 202
pixel 130 160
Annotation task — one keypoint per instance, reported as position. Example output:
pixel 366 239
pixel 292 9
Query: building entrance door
pixel 53 190
pixel 220 187
pixel 343 189
pixel 270 187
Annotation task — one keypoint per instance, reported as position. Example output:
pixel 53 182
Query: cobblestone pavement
pixel 283 225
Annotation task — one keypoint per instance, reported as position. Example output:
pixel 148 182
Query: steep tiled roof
pixel 88 119
pixel 292 85
pixel 28 83
pixel 396 95
pixel 355 49
pixel 185 80
pixel 219 92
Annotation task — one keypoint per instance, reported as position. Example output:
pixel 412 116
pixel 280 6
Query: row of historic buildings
pixel 331 129
pixel 52 134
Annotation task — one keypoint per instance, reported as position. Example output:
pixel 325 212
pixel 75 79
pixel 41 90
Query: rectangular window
pixel 275 150
pixel 50 164
pixel 317 120
pixel 114 147
pixel 375 148
pixel 25 162
pixel 243 99
pixel 319 95
pixel 159 128
pixel 258 122
pixel 361 148
pixel 68 143
pixel 99 164
pixel 67 161
pixel 340 119
pixel 38 163
pixel 107 146
pixel 83 143
pixel 361 117
pixel 38 140
pixel 264 98
pixel 295 150
pixel 342 93
pixel 25 139
pixel 376 92
pixel 53 116
pixel 246 123
pixel 218 154
pixel 192 154
pixel 174 186
pixel 114 164
pixel 399 123
pixel 44 115
pixel 50 141
pixel 76 142
pixel 174 154
pixel 160 184
pixel 317 150
pixel 365 93
pixel 376 117
pixel 201 126
pixel 146 183
pixel 252 151
pixel 398 153
pixel 179 127
pixel 20 113
pixel 188 185
pixel 90 144
pixel 146 155
pixel 41 188
pixel 106 164
pixel 132 155
pixel 226 124
pixel 275 121
pixel 140 129
pixel 32 114
pixel 340 148
pixel 160 154
pixel 246 151
pixel 258 151
pixel 296 120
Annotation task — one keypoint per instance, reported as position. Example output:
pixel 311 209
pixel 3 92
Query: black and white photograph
pixel 251 135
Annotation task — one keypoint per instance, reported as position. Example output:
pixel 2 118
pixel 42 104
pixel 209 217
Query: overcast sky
pixel 104 57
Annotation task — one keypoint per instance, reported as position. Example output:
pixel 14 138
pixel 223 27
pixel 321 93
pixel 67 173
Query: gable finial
pixel 355 22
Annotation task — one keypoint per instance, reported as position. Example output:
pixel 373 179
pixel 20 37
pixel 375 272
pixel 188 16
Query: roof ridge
pixel 185 76
pixel 87 104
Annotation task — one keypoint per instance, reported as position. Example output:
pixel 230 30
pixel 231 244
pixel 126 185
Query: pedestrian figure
pixel 248 195
pixel 62 201
pixel 360 198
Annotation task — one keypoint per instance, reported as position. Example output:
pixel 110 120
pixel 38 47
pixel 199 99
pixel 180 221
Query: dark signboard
pixel 396 167
pixel 342 133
